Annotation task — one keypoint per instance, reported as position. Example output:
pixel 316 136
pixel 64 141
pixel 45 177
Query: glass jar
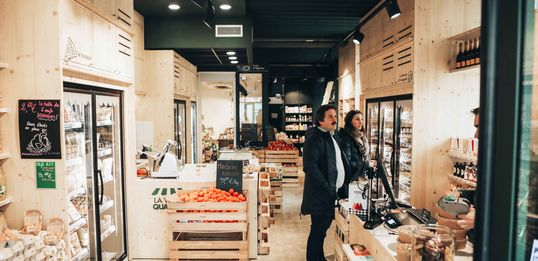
pixel 432 243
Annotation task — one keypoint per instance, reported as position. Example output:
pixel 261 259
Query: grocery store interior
pixel 201 130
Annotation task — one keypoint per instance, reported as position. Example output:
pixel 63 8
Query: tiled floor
pixel 288 235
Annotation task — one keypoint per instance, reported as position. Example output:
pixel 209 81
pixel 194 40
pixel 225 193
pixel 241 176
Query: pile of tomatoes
pixel 212 195
pixel 280 145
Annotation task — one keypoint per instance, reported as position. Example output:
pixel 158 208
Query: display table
pixel 382 245
pixel 148 238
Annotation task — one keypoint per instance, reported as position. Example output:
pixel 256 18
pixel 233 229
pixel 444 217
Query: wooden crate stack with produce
pixel 264 192
pixel 208 224
pixel 285 153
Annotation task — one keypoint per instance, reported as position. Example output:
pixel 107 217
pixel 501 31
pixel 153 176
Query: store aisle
pixel 288 235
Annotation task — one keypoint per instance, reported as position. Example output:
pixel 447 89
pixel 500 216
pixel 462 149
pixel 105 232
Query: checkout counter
pixel 148 221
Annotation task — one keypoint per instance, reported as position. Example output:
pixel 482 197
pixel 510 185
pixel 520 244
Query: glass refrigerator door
pixel 372 125
pixel 387 137
pixel 193 132
pixel 109 172
pixel 404 149
pixel 180 112
pixel 79 174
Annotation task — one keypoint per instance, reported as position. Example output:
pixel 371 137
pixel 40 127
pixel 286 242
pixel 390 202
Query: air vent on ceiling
pixel 229 30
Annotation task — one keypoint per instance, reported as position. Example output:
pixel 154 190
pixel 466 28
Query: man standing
pixel 325 176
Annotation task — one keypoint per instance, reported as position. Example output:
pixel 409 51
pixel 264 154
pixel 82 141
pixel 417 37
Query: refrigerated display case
pixel 389 124
pixel 94 173
pixel 180 128
pixel 194 134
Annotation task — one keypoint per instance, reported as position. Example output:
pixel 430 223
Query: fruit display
pixel 142 172
pixel 280 145
pixel 211 195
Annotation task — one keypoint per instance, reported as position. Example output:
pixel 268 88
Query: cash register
pixel 395 213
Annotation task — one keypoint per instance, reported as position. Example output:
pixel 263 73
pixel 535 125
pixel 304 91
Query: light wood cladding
pixel 117 12
pixel 442 101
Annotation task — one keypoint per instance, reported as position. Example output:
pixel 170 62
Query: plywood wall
pixel 34 72
pixel 442 101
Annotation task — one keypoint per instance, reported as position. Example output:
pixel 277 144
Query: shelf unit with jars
pixel 465 51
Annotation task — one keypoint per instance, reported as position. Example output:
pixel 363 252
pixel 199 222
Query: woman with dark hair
pixel 354 143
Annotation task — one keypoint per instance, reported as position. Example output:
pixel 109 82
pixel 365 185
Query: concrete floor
pixel 288 236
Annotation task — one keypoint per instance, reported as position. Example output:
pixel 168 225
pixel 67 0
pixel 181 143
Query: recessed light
pixel 230 53
pixel 225 7
pixel 173 6
pixel 234 62
pixel 309 40
pixel 232 58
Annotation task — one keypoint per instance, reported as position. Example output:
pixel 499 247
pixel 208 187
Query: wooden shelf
pixel 5 202
pixel 3 66
pixel 4 110
pixel 473 33
pixel 472 68
pixel 461 181
pixel 4 156
pixel 462 157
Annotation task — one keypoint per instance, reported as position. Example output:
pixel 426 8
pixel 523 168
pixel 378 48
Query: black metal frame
pixel 177 102
pixel 94 91
pixel 195 128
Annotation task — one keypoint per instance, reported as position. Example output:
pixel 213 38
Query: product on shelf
pixel 74 214
pixel 468 53
pixel 75 244
pixel 33 222
pixel 3 186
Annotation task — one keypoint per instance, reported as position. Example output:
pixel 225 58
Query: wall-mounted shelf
pixel 3 66
pixel 461 181
pixel 460 157
pixel 473 33
pixel 5 202
pixel 4 110
pixel 470 69
pixel 4 156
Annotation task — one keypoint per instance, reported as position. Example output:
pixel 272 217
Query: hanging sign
pixel 45 175
pixel 230 175
pixel 39 129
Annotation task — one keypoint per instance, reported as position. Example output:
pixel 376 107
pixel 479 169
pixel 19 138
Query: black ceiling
pixel 286 32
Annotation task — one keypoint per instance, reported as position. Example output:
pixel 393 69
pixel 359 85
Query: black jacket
pixel 319 161
pixel 358 164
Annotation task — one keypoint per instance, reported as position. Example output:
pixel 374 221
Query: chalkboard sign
pixel 39 129
pixel 45 174
pixel 230 175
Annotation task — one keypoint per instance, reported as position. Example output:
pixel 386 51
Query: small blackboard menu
pixel 230 175
pixel 39 129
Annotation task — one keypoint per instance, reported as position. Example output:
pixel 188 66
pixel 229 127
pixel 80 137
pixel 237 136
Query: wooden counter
pixel 382 245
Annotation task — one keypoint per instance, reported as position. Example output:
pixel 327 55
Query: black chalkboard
pixel 230 175
pixel 39 129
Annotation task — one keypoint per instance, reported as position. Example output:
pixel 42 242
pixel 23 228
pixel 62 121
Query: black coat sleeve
pixel 311 161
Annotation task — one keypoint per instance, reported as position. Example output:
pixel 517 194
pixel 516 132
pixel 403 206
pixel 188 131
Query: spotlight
pixel 230 53
pixel 209 19
pixel 232 58
pixel 174 6
pixel 392 8
pixel 234 62
pixel 225 7
pixel 358 37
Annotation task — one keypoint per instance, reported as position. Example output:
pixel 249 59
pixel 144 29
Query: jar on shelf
pixel 432 242
pixel 3 186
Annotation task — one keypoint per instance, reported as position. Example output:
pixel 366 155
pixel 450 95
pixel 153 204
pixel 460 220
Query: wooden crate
pixel 263 242
pixel 341 235
pixel 195 236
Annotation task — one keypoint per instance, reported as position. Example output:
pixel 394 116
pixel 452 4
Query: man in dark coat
pixel 326 178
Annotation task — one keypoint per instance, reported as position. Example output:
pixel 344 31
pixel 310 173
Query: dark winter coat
pixel 358 163
pixel 319 160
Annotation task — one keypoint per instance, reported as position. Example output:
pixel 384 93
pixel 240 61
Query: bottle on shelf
pixel 459 57
pixel 470 59
pixel 477 51
pixel 455 169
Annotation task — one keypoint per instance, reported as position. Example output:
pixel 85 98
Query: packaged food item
pixel 55 231
pixel 74 215
pixel 33 222
pixel 75 244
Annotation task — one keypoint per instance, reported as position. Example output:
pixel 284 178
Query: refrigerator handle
pixel 102 187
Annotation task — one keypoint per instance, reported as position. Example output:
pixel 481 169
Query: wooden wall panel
pixel 28 46
pixel 442 101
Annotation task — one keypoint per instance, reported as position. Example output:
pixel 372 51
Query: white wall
pixel 217 106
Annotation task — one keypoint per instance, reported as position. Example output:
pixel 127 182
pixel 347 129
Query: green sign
pixel 45 175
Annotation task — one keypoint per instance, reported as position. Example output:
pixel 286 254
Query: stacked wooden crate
pixel 264 192
pixel 207 230
pixel 289 159
pixel 342 233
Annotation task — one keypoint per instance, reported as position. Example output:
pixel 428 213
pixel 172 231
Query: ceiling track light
pixel 393 9
pixel 230 53
pixel 174 6
pixel 234 62
pixel 232 57
pixel 209 19
pixel 358 37
pixel 225 7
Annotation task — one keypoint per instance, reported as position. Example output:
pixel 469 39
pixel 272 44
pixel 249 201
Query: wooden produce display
pixel 264 193
pixel 288 156
pixel 208 230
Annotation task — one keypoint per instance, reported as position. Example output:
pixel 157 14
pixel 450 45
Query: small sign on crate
pixel 230 175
